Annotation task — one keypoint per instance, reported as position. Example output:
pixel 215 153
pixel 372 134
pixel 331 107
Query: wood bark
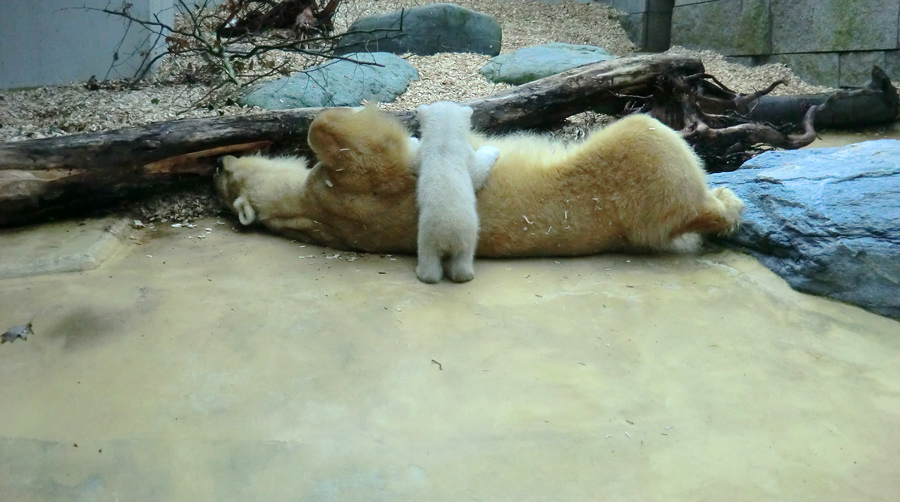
pixel 58 176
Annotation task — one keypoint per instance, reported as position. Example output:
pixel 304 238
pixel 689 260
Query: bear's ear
pixel 422 108
pixel 224 161
pixel 468 110
pixel 246 213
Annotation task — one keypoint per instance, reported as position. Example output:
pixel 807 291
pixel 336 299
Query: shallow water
pixel 841 138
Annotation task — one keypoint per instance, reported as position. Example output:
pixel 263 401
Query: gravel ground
pixel 67 109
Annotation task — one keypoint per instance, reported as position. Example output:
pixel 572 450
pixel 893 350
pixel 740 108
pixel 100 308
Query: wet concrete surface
pixel 244 366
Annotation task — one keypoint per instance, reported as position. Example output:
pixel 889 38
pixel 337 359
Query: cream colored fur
pixel 364 167
pixel 450 172
pixel 266 189
pixel 632 186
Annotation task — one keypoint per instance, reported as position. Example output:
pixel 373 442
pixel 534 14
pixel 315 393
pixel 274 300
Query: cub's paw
pixel 429 271
pixel 488 155
pixel 485 157
pixel 461 270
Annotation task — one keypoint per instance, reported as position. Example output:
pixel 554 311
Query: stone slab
pixel 54 248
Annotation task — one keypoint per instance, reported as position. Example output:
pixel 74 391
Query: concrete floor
pixel 244 366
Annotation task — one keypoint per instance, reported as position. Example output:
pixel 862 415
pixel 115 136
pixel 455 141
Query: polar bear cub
pixel 450 172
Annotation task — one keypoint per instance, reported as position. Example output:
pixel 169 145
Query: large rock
pixel 425 30
pixel 532 63
pixel 337 83
pixel 826 219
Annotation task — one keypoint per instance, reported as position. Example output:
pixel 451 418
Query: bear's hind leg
pixel 720 214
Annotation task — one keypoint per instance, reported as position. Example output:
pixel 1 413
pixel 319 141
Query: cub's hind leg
pixel 428 267
pixel 461 265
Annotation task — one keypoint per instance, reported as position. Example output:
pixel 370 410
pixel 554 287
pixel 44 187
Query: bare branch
pixel 200 33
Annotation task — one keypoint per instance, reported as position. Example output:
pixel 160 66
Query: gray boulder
pixel 532 63
pixel 827 220
pixel 337 83
pixel 424 30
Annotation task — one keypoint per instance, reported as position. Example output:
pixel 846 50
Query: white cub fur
pixel 450 171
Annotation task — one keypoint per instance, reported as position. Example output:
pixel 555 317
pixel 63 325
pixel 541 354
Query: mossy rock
pixel 337 83
pixel 532 63
pixel 424 30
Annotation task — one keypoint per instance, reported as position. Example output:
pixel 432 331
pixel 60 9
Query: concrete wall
pixel 647 22
pixel 828 42
pixel 46 42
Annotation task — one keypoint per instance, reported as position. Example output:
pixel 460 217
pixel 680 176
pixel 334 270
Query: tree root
pixel 727 128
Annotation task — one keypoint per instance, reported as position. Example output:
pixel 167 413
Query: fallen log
pixel 876 103
pixel 49 177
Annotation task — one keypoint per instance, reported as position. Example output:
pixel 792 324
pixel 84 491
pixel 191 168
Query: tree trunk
pixel 58 176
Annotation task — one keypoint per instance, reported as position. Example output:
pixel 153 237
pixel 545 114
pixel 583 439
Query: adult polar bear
pixel 634 185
